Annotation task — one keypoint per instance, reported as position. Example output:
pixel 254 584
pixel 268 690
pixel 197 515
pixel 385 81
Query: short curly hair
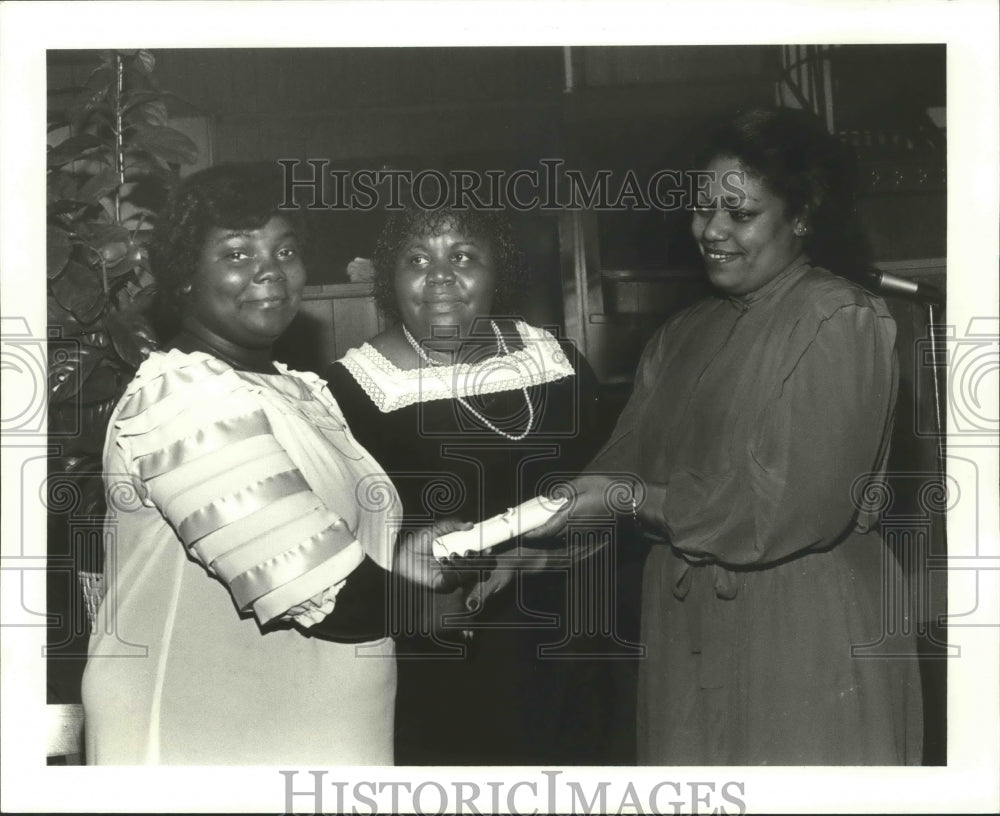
pixel 231 196
pixel 491 226
pixel 812 171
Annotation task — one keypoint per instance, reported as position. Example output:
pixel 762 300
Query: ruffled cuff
pixel 315 609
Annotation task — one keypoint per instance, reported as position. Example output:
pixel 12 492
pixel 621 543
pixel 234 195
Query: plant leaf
pixel 139 97
pixel 94 417
pixel 165 143
pixel 97 337
pixel 67 89
pixel 60 185
pixel 147 60
pixel 143 166
pixel 99 185
pixel 144 277
pixel 83 116
pixel 113 255
pixel 122 273
pixel 133 256
pixel 95 92
pixel 81 427
pixel 64 206
pixel 80 291
pixel 150 113
pixel 114 244
pixel 70 364
pixel 142 237
pixel 72 148
pixel 57 250
pixel 132 335
pixel 97 76
pixel 99 235
pixel 60 318
pixel 134 297
pixel 104 383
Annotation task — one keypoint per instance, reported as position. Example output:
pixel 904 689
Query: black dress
pixel 499 697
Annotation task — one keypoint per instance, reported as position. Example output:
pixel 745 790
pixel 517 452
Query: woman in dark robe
pixel 472 412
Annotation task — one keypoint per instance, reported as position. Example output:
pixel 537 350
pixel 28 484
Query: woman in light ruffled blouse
pixel 249 535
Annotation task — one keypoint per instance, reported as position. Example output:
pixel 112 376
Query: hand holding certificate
pixel 493 531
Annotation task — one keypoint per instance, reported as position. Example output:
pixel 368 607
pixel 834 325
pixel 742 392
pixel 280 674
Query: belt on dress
pixel 724 581
pixel 709 634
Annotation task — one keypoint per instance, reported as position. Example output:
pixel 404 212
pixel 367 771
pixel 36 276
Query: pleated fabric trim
pixel 204 455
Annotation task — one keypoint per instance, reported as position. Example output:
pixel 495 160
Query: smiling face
pixel 247 286
pixel 444 279
pixel 745 240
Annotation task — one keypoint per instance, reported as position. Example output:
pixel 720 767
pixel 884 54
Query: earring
pixel 186 289
pixel 801 230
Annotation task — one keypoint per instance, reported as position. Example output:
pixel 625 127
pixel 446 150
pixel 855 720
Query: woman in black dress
pixel 471 412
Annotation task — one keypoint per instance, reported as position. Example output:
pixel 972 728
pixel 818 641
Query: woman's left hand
pixel 497 572
pixel 416 562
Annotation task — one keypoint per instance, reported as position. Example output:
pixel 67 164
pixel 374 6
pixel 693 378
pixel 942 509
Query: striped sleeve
pixel 203 452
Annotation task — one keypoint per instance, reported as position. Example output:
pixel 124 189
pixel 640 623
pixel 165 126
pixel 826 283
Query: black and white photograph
pixel 437 407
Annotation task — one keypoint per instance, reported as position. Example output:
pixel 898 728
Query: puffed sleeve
pixel 826 424
pixel 202 451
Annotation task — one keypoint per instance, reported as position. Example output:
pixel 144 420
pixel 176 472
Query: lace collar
pixel 541 360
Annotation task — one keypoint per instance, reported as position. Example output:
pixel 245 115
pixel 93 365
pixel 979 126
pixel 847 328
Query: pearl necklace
pixel 501 348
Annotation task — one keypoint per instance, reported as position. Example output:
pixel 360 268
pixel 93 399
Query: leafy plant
pixel 115 160
pixel 112 157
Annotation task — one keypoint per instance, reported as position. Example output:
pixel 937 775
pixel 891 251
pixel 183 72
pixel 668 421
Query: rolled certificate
pixel 516 521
